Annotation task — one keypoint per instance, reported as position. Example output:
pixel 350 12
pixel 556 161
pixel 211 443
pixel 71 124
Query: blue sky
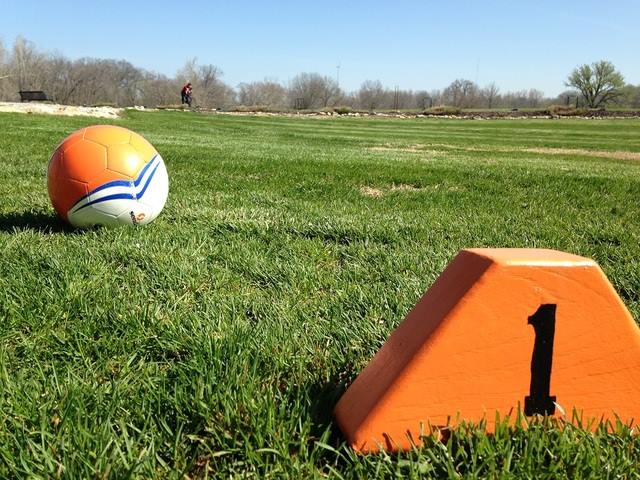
pixel 412 44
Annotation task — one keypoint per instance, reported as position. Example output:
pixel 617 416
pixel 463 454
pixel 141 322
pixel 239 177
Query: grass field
pixel 216 341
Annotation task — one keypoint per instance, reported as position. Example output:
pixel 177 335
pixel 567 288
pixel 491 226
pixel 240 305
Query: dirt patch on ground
pixel 378 192
pixel 55 109
pixel 402 187
pixel 371 192
pixel 617 154
pixel 429 149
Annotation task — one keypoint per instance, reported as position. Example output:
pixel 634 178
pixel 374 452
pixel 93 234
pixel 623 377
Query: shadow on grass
pixel 324 397
pixel 35 221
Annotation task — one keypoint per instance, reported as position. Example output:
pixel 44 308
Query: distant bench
pixel 34 95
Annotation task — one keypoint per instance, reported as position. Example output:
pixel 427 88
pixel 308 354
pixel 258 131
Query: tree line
pixel 93 81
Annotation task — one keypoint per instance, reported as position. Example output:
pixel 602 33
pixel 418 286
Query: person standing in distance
pixel 186 94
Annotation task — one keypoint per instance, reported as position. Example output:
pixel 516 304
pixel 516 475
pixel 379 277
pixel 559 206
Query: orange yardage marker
pixel 500 329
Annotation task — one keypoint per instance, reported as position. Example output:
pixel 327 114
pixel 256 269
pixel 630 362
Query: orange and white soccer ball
pixel 107 175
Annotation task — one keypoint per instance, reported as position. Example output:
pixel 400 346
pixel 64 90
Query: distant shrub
pixel 442 110
pixel 250 108
pixel 342 110
pixel 561 109
pixel 568 111
pixel 255 109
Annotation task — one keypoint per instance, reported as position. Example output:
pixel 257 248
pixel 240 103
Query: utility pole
pixel 396 98
pixel 338 74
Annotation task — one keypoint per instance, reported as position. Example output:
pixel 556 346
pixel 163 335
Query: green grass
pixel 216 341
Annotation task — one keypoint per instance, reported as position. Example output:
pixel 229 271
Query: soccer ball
pixel 107 175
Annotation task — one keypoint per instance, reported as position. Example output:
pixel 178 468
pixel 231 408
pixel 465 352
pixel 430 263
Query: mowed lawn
pixel 216 341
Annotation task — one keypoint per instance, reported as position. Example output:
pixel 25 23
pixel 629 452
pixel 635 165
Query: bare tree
pixel 272 93
pixel 565 98
pixel 422 99
pixel 461 93
pixel 330 92
pixel 128 80
pixel 26 65
pixel 267 93
pixel 91 81
pixel 95 83
pixel 630 96
pixel 62 81
pixel 208 76
pixel 534 97
pixel 5 77
pixel 312 90
pixel 436 97
pixel 158 89
pixel 404 99
pixel 349 99
pixel 515 99
pixel 599 82
pixel 371 95
pixel 490 92
pixel 249 94
pixel 209 89
pixel 3 59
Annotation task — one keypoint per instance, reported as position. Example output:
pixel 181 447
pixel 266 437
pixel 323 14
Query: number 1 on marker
pixel 544 324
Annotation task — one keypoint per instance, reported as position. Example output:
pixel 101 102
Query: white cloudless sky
pixel 412 44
